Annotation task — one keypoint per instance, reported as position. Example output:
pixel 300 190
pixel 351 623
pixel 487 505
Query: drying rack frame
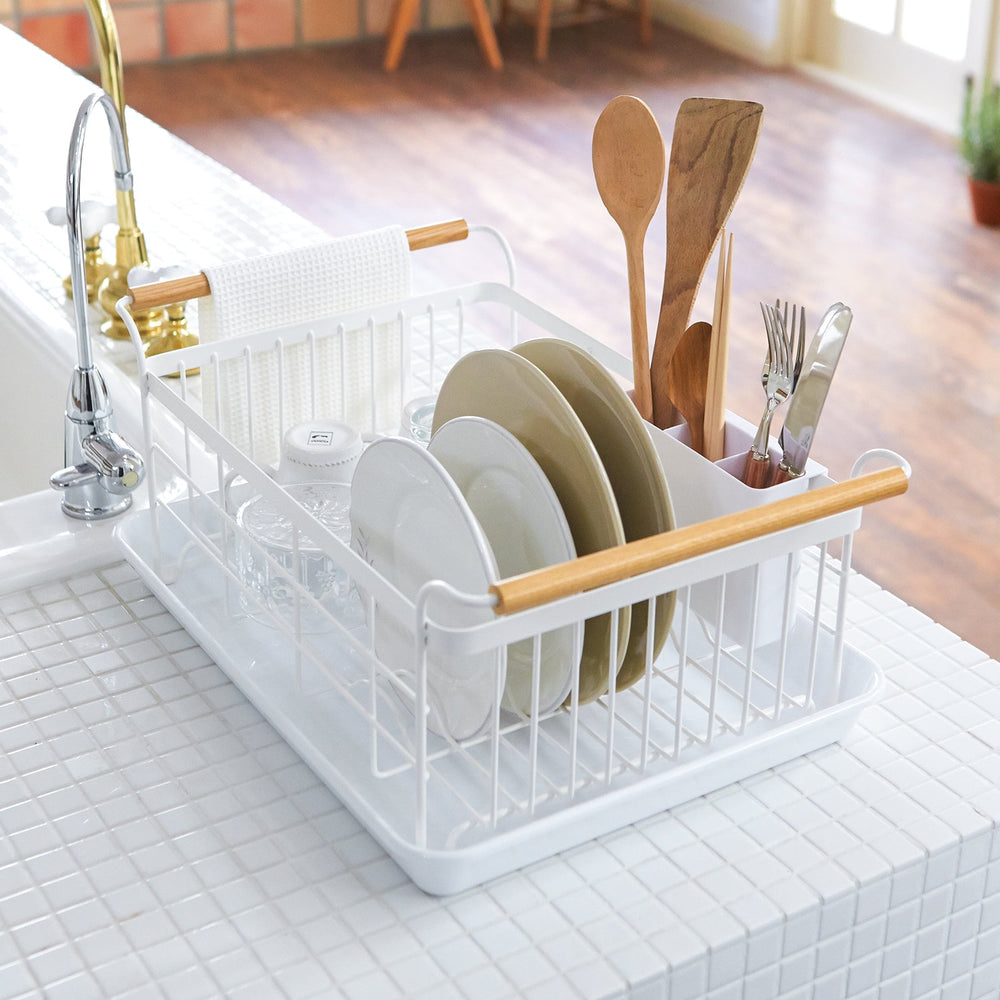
pixel 725 699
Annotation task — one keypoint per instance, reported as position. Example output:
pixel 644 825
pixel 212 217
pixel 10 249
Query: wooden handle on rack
pixel 518 593
pixel 195 286
pixel 437 233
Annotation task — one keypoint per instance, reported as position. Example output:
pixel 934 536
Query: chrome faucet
pixel 102 469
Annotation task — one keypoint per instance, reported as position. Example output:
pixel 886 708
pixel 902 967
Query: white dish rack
pixel 755 671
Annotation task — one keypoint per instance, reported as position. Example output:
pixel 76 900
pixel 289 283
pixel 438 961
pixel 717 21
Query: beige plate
pixel 632 465
pixel 512 392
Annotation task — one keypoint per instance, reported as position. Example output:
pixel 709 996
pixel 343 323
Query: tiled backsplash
pixel 166 30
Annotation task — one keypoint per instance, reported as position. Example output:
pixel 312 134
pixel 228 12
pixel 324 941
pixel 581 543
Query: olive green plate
pixel 632 465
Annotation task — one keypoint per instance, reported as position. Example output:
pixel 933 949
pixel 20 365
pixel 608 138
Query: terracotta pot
pixel 985 202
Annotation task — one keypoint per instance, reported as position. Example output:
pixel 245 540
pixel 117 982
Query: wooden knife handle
pixel 518 593
pixel 782 474
pixel 757 471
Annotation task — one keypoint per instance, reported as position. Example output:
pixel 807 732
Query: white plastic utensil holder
pixel 755 670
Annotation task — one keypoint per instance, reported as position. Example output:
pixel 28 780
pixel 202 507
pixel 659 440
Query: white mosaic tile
pixel 161 840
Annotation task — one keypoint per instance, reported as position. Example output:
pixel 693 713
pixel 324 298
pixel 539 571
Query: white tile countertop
pixel 160 839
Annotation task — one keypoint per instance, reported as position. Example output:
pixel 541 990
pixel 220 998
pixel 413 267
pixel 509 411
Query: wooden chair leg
pixel 543 28
pixel 645 23
pixel 403 14
pixel 483 28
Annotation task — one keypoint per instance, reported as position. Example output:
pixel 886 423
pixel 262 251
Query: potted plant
pixel 980 147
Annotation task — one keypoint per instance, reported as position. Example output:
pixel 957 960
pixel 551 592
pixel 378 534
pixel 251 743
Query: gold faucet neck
pixel 110 53
pixel 130 244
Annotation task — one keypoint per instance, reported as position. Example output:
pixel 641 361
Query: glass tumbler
pixel 271 565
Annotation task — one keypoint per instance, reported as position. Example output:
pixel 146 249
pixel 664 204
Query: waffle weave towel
pixel 306 284
pixel 298 288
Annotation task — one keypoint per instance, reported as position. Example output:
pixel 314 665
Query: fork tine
pixel 781 338
pixel 767 330
pixel 800 346
pixel 772 337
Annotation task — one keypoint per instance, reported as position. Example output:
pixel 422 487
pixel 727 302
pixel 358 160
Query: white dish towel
pixel 298 288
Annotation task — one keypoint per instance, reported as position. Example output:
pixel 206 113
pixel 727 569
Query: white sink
pixel 39 352
pixel 31 412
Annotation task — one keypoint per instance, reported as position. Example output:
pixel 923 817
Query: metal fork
pixel 777 379
pixel 796 338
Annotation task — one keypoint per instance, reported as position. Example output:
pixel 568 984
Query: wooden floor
pixel 844 201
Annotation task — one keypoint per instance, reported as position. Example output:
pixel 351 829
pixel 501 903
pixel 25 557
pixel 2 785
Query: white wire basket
pixel 755 670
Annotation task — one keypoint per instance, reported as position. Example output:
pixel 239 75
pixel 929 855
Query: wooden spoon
pixel 713 145
pixel 687 380
pixel 629 164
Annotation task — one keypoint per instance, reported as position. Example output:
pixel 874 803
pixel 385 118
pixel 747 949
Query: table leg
pixel 483 27
pixel 403 14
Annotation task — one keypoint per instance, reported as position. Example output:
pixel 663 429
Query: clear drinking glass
pixel 418 417
pixel 273 567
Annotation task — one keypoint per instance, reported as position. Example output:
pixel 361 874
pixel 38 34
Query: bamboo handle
pixel 518 593
pixel 437 233
pixel 195 286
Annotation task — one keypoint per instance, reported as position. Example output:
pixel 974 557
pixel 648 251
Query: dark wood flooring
pixel 844 201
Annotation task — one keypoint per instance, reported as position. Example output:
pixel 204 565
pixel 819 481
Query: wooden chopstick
pixel 518 593
pixel 195 286
pixel 715 401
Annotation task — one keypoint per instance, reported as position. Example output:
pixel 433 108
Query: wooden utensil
pixel 687 380
pixel 718 358
pixel 713 145
pixel 629 164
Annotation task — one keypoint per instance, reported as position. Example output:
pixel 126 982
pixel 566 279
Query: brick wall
pixel 166 30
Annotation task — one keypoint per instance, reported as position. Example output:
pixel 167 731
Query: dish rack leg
pixel 838 635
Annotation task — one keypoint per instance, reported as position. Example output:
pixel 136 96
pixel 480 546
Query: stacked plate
pixel 536 456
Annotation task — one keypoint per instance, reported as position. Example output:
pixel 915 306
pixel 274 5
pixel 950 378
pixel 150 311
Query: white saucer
pixel 524 522
pixel 410 522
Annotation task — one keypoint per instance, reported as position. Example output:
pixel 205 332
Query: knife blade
pixel 810 393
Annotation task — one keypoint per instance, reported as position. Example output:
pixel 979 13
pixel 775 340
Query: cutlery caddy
pixel 755 670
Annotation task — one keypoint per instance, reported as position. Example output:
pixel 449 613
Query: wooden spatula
pixel 713 146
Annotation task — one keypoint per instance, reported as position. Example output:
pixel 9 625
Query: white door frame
pixel 932 94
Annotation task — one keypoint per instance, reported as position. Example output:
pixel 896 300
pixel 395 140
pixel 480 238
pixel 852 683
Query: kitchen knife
pixel 807 400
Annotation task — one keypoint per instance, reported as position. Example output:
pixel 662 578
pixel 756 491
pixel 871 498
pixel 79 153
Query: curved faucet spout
pixel 102 469
pixel 74 210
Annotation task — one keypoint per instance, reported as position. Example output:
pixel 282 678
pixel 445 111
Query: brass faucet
pixel 130 244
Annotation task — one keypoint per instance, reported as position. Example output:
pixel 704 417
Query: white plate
pixel 633 467
pixel 410 522
pixel 512 392
pixel 524 522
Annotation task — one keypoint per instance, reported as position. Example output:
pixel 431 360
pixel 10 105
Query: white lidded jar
pixel 319 451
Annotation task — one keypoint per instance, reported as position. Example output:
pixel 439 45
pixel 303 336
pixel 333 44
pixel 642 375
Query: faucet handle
pixel 102 484
pixel 96 215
